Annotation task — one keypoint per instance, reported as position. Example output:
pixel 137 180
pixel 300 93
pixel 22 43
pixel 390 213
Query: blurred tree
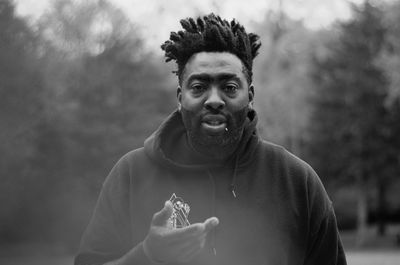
pixel 390 56
pixel 90 27
pixel 389 61
pixel 282 80
pixel 387 168
pixel 352 129
pixel 21 111
pixel 107 96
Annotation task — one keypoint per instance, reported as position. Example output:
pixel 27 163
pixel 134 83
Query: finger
pixel 194 230
pixel 161 218
pixel 187 233
pixel 211 223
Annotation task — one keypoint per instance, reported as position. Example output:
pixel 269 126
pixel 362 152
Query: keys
pixel 179 217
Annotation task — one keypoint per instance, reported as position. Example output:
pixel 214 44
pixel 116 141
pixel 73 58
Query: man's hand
pixel 165 244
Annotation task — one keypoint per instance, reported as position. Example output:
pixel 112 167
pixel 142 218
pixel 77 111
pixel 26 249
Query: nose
pixel 214 100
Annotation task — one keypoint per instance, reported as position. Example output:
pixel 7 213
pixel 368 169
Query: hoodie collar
pixel 168 145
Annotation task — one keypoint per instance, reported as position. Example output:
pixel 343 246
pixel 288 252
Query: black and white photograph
pixel 212 132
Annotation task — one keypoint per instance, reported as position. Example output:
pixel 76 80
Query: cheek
pixel 190 119
pixel 238 103
pixel 190 103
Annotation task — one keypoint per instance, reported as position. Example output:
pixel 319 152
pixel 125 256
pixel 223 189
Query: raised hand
pixel 165 244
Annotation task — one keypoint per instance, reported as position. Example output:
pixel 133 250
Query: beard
pixel 217 146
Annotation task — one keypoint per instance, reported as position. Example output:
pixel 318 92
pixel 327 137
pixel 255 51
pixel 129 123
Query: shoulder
pixel 132 160
pixel 133 156
pixel 293 172
pixel 280 158
pixel 126 166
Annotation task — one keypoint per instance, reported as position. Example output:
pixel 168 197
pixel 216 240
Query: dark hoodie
pixel 271 205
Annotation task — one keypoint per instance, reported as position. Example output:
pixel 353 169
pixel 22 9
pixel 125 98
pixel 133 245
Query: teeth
pixel 214 122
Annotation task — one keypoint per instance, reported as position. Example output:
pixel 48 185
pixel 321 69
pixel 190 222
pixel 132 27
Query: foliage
pixel 95 105
pixel 21 108
pixel 390 56
pixel 282 80
pixel 353 127
pixel 109 99
pixel 349 102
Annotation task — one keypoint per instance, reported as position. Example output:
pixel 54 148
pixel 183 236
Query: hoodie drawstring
pixel 233 182
pixel 214 236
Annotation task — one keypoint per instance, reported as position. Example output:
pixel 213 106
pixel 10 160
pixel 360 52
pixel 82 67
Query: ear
pixel 251 95
pixel 179 96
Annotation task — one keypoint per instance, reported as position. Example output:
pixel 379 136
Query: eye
pixel 231 88
pixel 197 88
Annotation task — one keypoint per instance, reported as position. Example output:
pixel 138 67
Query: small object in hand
pixel 179 217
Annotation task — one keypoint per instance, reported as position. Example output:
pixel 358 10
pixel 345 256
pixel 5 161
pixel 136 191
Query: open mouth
pixel 214 123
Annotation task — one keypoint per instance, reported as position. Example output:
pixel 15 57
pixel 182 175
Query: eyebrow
pixel 208 78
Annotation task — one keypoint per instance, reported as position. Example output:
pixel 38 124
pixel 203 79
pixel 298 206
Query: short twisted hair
pixel 211 34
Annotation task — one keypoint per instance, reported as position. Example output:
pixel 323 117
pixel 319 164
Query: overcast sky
pixel 159 17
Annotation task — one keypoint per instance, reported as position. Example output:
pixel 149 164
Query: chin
pixel 219 145
pixel 215 146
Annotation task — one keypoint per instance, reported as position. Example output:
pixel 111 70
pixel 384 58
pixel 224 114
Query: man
pixel 229 197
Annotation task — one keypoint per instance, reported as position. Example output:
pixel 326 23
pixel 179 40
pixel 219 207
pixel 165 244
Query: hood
pixel 168 145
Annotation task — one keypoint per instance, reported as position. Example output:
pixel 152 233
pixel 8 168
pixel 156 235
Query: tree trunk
pixel 362 211
pixel 381 211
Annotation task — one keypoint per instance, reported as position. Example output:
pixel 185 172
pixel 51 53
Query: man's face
pixel 215 97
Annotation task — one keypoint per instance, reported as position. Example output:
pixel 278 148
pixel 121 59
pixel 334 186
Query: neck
pixel 207 153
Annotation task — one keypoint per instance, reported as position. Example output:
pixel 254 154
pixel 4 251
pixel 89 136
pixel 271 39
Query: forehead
pixel 213 64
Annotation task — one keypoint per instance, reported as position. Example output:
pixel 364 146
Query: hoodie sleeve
pixel 323 245
pixel 107 236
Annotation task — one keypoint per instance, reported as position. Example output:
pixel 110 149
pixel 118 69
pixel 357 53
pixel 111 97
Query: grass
pixel 377 250
pixel 373 257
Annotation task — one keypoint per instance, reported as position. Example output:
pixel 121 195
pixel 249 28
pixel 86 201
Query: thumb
pixel 160 218
pixel 211 223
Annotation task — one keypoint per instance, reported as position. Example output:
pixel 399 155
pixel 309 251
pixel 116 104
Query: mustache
pixel 206 112
pixel 213 112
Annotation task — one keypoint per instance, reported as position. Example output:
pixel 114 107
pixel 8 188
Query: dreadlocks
pixel 211 34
